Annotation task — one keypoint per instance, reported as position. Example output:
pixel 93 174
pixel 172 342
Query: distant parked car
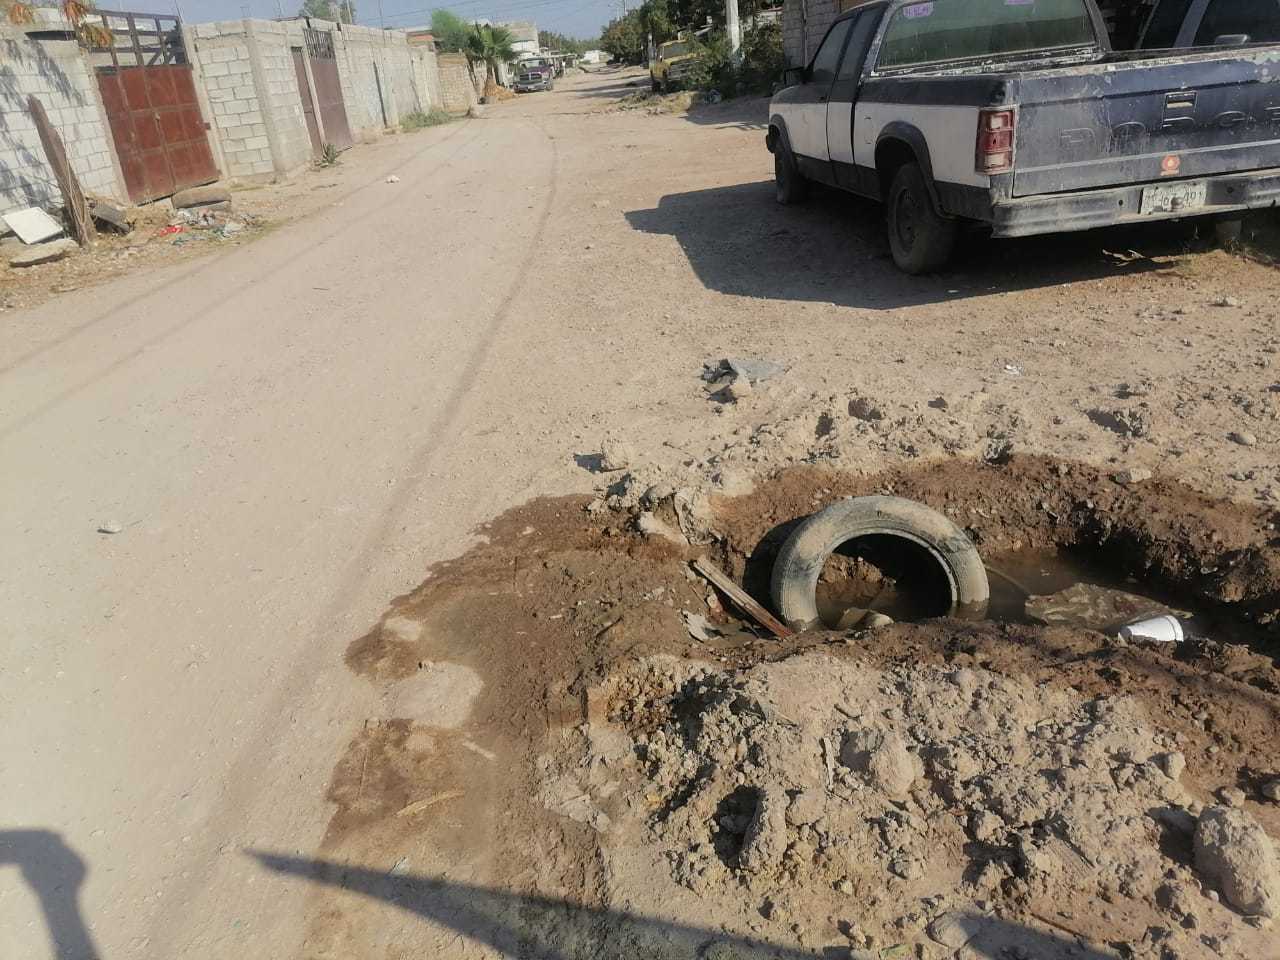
pixel 537 74
pixel 676 60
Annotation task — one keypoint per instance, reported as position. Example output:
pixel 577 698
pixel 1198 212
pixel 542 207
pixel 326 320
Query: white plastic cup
pixel 1164 629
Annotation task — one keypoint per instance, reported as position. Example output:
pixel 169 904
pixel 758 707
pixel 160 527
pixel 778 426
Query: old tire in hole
pixel 938 539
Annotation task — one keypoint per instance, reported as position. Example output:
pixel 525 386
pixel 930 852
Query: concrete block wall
pixel 246 70
pixel 426 75
pixel 377 77
pixel 801 17
pixel 224 68
pixel 458 92
pixel 270 48
pixel 55 72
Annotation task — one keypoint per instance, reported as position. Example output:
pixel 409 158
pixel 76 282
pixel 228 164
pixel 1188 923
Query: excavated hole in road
pixel 1069 585
pixel 1120 553
pixel 573 623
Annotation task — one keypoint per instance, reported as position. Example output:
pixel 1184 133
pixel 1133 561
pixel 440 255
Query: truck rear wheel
pixel 790 186
pixel 920 239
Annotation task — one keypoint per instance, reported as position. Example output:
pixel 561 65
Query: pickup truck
pixel 534 75
pixel 1018 115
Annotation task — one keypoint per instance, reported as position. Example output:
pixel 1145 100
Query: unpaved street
pixel 291 433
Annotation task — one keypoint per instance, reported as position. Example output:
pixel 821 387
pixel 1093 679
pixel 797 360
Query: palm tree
pixel 19 12
pixel 490 46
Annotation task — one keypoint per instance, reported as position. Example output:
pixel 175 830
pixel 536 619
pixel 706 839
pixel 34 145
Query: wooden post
pixel 72 196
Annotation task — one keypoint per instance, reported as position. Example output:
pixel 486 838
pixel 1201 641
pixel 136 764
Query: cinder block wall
pixel 377 77
pixel 426 75
pixel 224 68
pixel 53 71
pixel 457 88
pixel 270 47
pixel 805 16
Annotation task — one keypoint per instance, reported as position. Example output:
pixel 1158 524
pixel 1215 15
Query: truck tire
pixel 920 239
pixel 790 186
pixel 795 572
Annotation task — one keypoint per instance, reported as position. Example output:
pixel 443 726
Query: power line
pixel 504 7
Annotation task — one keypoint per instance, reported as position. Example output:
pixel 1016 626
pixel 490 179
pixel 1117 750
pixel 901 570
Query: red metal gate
pixel 324 72
pixel 152 108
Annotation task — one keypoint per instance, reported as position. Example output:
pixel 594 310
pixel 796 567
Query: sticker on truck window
pixel 918 10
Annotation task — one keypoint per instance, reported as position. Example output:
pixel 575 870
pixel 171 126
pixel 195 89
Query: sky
pixel 575 18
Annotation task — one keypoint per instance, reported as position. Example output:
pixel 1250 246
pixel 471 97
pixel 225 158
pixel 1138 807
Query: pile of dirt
pixel 659 103
pixel 927 790
pixel 912 809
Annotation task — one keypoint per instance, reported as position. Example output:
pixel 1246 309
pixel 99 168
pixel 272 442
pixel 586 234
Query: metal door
pixel 308 104
pixel 324 73
pixel 152 108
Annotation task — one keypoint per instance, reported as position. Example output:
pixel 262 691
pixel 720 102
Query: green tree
pixel 490 46
pixel 450 30
pixel 339 11
pixel 549 40
pixel 624 38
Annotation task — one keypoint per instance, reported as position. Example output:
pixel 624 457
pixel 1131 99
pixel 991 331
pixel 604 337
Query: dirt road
pixel 290 434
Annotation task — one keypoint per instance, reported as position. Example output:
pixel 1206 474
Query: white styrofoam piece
pixel 32 225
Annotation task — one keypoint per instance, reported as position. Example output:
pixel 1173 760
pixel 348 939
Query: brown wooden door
pixel 324 74
pixel 157 128
pixel 308 105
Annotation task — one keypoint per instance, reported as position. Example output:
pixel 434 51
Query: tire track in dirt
pixel 268 272
pixel 243 783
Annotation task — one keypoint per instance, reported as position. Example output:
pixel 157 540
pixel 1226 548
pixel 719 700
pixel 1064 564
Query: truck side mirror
pixel 794 75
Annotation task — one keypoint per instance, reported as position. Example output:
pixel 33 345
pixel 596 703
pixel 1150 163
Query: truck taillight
pixel 995 141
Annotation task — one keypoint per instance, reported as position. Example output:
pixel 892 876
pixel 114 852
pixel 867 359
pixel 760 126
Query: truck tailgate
pixel 1141 118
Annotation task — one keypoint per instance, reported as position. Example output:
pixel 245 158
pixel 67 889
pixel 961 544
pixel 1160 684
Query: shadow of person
pixel 551 929
pixel 55 873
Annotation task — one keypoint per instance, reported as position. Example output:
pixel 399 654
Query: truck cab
pixel 675 59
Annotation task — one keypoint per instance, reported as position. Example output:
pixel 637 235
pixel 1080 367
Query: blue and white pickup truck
pixel 1017 114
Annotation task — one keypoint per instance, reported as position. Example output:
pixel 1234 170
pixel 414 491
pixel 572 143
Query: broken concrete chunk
pixel 882 758
pixel 738 368
pixel 111 215
pixel 1131 476
pixel 199 196
pixel 699 627
pixel 615 455
pixel 954 929
pixel 1232 850
pixel 766 838
pixel 650 526
pixel 807 806
pixel 43 253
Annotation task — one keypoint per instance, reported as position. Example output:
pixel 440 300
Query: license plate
pixel 1174 197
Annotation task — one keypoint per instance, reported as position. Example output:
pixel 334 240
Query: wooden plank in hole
pixel 743 600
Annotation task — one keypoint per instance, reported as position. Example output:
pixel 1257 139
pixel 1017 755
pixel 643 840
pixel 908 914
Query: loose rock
pixel 1233 851
pixel 1243 437
pixel 615 455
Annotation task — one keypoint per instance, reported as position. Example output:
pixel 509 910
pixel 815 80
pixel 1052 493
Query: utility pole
pixel 733 28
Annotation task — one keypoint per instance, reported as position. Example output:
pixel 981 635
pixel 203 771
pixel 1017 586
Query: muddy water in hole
pixel 1029 586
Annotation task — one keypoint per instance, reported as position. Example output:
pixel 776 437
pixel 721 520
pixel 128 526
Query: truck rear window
pixel 940 30
pixel 1257 20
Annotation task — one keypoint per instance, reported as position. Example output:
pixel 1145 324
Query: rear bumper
pixel 1089 209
